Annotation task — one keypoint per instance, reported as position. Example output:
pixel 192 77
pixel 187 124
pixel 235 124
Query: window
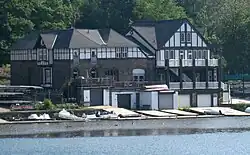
pixel 141 78
pixel 40 55
pixel 93 54
pixel 114 73
pixel 45 54
pixel 121 52
pixel 171 54
pixel 167 54
pixel 181 54
pixel 135 78
pixel 188 36
pixel 47 75
pixel 210 76
pixel 194 53
pixel 189 54
pixel 199 54
pixel 138 74
pixel 182 37
pixel 205 54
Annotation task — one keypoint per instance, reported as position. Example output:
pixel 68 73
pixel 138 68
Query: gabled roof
pixel 157 33
pixel 75 38
pixel 27 42
pixel 49 39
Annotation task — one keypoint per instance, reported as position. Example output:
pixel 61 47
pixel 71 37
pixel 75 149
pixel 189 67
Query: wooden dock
pixel 219 111
pixel 118 111
pixel 154 113
pixel 179 112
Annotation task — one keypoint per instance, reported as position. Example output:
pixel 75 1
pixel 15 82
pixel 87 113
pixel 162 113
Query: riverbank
pixel 210 122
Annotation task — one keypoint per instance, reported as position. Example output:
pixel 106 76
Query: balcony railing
pixel 188 62
pixel 106 82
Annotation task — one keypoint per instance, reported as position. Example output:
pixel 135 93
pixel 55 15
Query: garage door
pixel 124 101
pixel 204 100
pixel 96 97
pixel 183 101
pixel 165 101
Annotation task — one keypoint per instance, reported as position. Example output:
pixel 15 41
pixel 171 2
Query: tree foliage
pixel 159 10
pixel 225 22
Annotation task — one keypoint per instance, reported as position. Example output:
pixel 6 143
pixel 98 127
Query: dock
pixel 180 112
pixel 219 111
pixel 154 113
pixel 118 111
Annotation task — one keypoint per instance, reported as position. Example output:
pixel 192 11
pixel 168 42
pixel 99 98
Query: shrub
pixel 240 107
pixel 48 105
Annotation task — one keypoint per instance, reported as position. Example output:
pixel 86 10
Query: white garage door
pixel 183 101
pixel 165 101
pixel 204 100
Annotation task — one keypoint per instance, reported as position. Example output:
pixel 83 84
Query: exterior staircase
pixel 185 77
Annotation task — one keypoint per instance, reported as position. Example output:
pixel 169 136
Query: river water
pixel 132 142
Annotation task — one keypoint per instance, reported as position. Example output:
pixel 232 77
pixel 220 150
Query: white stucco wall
pixel 149 99
pixel 106 97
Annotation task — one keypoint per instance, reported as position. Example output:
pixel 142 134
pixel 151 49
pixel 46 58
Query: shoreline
pixel 26 128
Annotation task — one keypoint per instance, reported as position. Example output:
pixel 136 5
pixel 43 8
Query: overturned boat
pixel 64 114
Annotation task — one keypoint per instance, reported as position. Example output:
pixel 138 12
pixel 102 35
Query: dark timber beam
pixel 180 74
pixel 219 80
pixel 194 74
pixel 206 60
pixel 167 73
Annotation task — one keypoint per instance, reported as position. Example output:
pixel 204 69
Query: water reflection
pixel 141 132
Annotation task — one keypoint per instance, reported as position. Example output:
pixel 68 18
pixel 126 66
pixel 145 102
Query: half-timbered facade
pixel 168 52
pixel 51 59
pixel 183 58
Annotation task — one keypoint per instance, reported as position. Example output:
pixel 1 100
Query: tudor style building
pixel 168 52
pixel 50 59
pixel 183 59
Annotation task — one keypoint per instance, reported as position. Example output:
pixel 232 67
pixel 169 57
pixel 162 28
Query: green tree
pixel 159 10
pixel 102 14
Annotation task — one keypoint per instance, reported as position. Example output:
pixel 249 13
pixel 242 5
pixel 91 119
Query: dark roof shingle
pixel 157 33
pixel 75 38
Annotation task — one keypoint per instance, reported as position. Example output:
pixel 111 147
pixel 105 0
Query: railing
pixel 198 85
pixel 107 82
pixel 188 62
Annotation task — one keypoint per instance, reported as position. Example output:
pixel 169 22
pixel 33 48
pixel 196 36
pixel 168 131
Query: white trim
pixel 54 41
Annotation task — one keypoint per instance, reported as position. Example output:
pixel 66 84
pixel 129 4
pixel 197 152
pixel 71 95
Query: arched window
pixel 138 74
